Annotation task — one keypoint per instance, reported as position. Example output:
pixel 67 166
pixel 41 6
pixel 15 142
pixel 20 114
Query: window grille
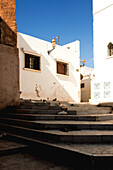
pixel 32 62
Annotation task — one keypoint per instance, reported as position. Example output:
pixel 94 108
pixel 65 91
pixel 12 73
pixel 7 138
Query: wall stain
pixel 37 89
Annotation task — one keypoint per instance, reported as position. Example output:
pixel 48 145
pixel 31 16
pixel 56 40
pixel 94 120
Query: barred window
pixel 32 62
pixel 62 68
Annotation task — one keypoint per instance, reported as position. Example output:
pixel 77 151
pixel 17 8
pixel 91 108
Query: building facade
pixel 102 84
pixel 49 75
pixel 86 77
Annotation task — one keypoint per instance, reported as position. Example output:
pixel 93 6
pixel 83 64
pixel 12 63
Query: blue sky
pixel 70 19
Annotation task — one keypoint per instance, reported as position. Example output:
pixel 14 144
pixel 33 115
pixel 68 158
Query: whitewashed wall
pixel 86 90
pixel 103 64
pixel 49 84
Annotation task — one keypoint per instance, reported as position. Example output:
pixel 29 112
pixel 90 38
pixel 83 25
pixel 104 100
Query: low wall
pixel 9 76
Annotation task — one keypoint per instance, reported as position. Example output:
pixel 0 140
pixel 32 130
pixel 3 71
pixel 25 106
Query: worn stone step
pixel 51 112
pixel 33 102
pixel 34 111
pixel 40 103
pixel 26 132
pixel 82 105
pixel 109 110
pixel 71 112
pixel 86 157
pixel 39 107
pixel 97 117
pixel 83 136
pixel 89 108
pixel 86 112
pixel 34 107
pixel 71 125
pixel 76 125
pixel 95 151
pixel 106 104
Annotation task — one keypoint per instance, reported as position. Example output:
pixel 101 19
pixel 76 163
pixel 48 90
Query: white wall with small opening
pixel 46 83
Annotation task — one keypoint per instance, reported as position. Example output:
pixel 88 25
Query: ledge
pixel 62 75
pixel 28 69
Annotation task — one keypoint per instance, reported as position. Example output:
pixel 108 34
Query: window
pixel 62 68
pixel 110 49
pixel 32 62
pixel 82 85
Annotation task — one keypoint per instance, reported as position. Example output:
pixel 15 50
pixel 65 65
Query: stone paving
pixel 91 149
pixel 6 145
pixel 24 161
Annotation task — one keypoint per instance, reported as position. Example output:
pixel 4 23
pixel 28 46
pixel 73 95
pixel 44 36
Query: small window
pixel 32 62
pixel 110 49
pixel 62 68
pixel 82 85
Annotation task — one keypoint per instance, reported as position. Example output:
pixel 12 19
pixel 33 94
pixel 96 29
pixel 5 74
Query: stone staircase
pixel 59 125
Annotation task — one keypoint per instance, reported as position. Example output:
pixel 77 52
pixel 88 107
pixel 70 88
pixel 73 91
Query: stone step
pixel 34 104
pixel 98 151
pixel 51 125
pixel 51 112
pixel 40 103
pixel 39 107
pixel 34 107
pixel 106 104
pixel 58 103
pixel 83 136
pixel 71 112
pixel 78 109
pixel 97 117
pixel 86 112
pixel 80 105
pixel 82 156
pixel 89 108
pixel 76 125
pixel 26 132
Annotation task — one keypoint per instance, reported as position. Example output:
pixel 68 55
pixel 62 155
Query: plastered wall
pixel 103 64
pixel 47 84
pixel 9 76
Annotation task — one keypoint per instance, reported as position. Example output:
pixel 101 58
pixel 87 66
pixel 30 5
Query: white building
pixel 49 76
pixel 102 85
pixel 86 74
